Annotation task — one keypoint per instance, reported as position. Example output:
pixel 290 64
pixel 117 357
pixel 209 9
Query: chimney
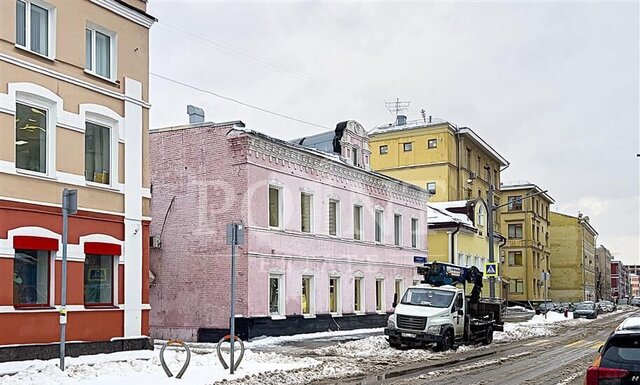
pixel 401 120
pixel 196 114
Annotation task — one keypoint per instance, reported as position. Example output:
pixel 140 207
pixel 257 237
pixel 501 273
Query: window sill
pixel 31 308
pixel 336 315
pixel 25 49
pixel 277 317
pixel 108 80
pixel 360 313
pixel 35 174
pixel 102 186
pixel 309 315
pixel 101 307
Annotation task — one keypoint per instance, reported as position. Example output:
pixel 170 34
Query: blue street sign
pixel 422 260
pixel 491 269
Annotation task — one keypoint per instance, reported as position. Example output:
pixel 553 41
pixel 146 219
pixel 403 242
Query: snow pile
pixel 375 347
pixel 538 326
pixel 325 336
pixel 143 368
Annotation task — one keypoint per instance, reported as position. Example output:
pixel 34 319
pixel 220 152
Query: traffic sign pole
pixel 69 206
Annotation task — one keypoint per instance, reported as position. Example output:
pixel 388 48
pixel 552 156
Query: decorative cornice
pixel 137 17
pixel 325 165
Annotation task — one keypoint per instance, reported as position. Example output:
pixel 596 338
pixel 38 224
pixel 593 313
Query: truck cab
pixel 430 313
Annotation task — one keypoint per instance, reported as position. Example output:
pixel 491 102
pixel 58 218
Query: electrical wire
pixel 244 54
pixel 237 101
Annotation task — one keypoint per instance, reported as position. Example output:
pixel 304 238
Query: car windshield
pixel 585 306
pixel 622 352
pixel 428 297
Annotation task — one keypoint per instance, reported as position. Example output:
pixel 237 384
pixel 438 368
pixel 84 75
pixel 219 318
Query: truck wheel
pixel 395 344
pixel 446 342
pixel 488 337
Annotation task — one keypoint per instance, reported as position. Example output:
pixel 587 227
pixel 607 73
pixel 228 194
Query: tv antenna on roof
pixel 397 106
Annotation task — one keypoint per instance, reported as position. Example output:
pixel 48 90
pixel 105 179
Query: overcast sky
pixel 553 87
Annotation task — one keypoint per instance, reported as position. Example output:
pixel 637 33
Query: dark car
pixel 569 306
pixel 619 359
pixel 546 307
pixel 586 310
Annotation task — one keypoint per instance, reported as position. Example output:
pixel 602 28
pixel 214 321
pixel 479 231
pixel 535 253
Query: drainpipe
pixel 453 244
pixel 460 184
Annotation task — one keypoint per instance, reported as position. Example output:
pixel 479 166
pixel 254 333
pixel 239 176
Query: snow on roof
pixel 438 212
pixel 408 126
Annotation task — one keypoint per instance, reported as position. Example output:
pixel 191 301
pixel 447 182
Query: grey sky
pixel 555 88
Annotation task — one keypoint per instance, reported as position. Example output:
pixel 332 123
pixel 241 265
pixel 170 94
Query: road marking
pixel 536 343
pixel 575 343
pixel 597 345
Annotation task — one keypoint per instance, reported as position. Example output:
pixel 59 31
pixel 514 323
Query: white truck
pixel 436 311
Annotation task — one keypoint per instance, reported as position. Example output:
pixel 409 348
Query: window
pixel 515 258
pixel 99 52
pixel 98 279
pixel 468 159
pixel 414 232
pixel 31 278
pixel 334 294
pixel 398 290
pixel 384 149
pixel 33 23
pixel 431 188
pixel 357 295
pixel 354 156
pixel 481 217
pixel 479 172
pixel 357 223
pixel 97 153
pixel 515 202
pixel 397 229
pixel 407 146
pixel 515 231
pixel 537 207
pixel 379 226
pixel 334 217
pixel 308 295
pixel 306 201
pixel 432 143
pixel 379 295
pixel 275 205
pixel 31 138
pixel 516 286
pixel 276 295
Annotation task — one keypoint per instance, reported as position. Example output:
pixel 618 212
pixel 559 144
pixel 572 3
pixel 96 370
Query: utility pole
pixel 235 236
pixel 69 206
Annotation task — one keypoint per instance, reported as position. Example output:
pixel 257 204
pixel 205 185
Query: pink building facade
pixel 328 243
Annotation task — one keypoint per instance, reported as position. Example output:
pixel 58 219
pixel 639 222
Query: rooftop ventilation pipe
pixel 196 114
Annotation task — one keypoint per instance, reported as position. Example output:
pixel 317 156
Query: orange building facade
pixel 74 114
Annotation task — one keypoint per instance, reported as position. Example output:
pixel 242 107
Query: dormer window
pixel 354 156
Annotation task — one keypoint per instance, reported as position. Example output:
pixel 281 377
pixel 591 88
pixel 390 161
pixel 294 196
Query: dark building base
pixel 72 349
pixel 247 328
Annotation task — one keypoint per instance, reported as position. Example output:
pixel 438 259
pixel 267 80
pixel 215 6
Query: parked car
pixel 545 307
pixel 623 301
pixel 566 306
pixel 618 361
pixel 611 306
pixel 586 310
pixel 602 307
pixel 635 302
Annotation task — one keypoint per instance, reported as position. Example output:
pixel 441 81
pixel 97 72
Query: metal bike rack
pixel 186 363
pixel 222 361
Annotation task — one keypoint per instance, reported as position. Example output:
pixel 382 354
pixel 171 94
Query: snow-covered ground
pixel 340 355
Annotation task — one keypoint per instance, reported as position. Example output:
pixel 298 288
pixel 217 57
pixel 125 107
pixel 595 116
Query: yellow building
pixel 458 234
pixel 573 247
pixel 526 253
pixel 446 160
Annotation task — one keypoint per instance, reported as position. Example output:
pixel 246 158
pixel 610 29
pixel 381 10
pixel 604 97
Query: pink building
pixel 327 241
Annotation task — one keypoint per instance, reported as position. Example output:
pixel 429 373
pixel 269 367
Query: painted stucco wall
pixel 218 175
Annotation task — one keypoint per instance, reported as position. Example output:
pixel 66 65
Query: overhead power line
pixel 237 101
pixel 247 55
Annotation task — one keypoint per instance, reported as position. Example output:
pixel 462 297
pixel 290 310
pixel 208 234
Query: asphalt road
pixel 561 360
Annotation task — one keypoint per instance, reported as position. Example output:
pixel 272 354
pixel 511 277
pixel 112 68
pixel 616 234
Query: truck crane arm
pixel 440 273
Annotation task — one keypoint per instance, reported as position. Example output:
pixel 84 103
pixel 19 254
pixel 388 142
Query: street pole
pixel 232 320
pixel 492 280
pixel 69 206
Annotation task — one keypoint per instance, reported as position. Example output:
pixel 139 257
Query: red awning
pixel 101 248
pixel 28 242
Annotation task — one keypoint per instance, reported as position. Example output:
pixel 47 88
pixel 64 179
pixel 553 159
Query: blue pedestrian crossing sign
pixel 491 269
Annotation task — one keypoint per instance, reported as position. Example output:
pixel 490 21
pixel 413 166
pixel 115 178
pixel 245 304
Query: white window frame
pixel 415 239
pixel 401 292
pixel 382 295
pixel 50 107
pixel 281 294
pixel 359 275
pixel 337 218
pixel 113 59
pixel 113 126
pixel 381 224
pixel 434 188
pixel 51 24
pixel 338 311
pixel 280 207
pixel 312 296
pixel 397 235
pixel 361 218
pixel 311 213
